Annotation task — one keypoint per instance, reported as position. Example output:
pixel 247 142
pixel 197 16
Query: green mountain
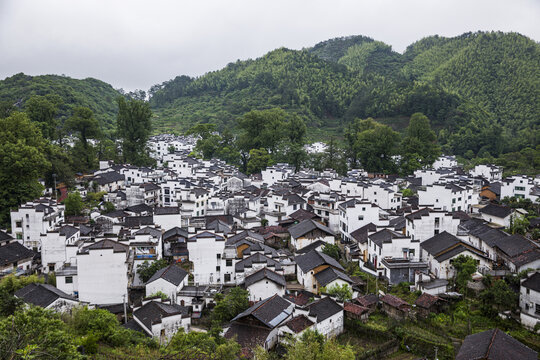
pixel 296 81
pixel 473 87
pixel 95 94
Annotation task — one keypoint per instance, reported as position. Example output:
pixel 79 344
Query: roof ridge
pixel 491 342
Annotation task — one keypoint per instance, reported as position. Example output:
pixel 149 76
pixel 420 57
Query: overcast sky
pixel 135 44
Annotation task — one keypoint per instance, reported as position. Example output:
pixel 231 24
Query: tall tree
pixel 376 144
pixel 259 159
pixel 43 110
pixel 133 127
pixel 85 127
pixel 419 147
pixel 22 162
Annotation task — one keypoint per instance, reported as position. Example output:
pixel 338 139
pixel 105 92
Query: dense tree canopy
pixel 22 161
pixel 133 127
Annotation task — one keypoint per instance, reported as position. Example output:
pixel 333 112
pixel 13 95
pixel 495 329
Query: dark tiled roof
pixel 148 231
pixel 439 242
pixel 4 236
pixel 367 300
pixel 134 221
pixel 270 312
pixel 68 231
pixel 496 210
pixel 361 234
pixel 139 209
pixel 532 282
pixel 256 258
pixel 315 258
pixel 515 245
pixel 170 210
pixel 133 325
pixel 329 274
pixel 418 214
pixel 108 177
pixel 324 308
pixel 153 311
pixel 426 300
pixel 107 244
pixel 243 235
pixel 41 294
pixel 299 323
pixel 265 273
pixel 396 302
pixel 249 337
pixel 306 226
pixel 385 236
pixel 310 247
pixel 302 214
pixel 301 298
pixel 354 309
pixel 14 252
pixel 171 273
pixel 175 232
pixel 494 345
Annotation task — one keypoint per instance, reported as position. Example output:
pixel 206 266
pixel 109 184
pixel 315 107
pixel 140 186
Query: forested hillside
pixel 480 90
pixel 97 95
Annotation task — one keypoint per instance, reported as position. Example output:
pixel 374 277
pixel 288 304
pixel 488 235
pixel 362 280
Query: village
pixel 314 250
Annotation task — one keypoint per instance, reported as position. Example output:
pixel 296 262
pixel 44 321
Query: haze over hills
pixel 472 87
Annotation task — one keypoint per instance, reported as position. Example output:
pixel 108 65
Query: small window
pixel 537 309
pixel 218 268
pixel 218 256
pixel 228 262
pixel 361 217
pixel 69 279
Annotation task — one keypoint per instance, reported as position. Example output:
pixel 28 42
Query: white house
pixel 264 283
pixel 34 218
pixel 445 161
pixel 355 213
pixel 529 301
pixel 102 271
pixel 168 280
pixel 205 250
pixel 489 172
pixel 53 247
pixel 162 320
pixel 441 249
pixel 518 186
pixel 425 223
pixel 309 231
pixel 448 197
pixel 47 296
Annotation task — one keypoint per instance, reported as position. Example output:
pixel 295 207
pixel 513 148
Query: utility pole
pixel 436 351
pixel 125 309
pixel 54 190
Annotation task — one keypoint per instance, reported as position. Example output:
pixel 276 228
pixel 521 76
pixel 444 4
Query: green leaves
pixel 133 127
pixel 22 161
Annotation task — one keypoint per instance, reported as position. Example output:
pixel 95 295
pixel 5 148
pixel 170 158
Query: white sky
pixel 135 44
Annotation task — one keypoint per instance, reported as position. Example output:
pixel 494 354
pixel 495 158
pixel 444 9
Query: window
pixel 51 267
pixel 528 291
pixel 19 236
pixel 218 256
pixel 361 217
pixel 437 222
pixel 218 268
pixel 227 277
pixel 537 309
pixel 18 224
pixel 228 262
pixel 314 286
pixel 436 231
pixel 69 279
pixel 520 188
